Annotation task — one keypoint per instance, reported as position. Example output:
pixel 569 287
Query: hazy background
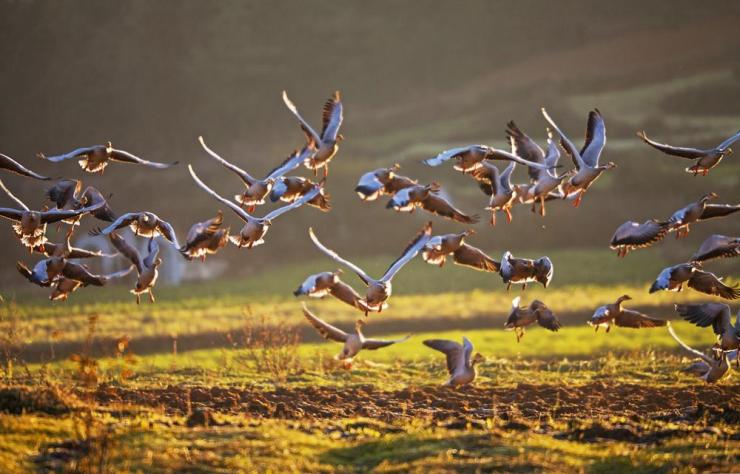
pixel 416 78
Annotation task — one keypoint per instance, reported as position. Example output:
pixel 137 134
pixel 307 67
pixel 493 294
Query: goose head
pixel 708 197
pixel 477 359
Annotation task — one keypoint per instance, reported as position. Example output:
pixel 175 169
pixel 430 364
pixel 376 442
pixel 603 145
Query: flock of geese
pixel 59 268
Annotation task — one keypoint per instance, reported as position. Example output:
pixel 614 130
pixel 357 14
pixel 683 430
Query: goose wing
pixel 167 231
pixel 717 246
pixel 688 348
pixel 292 162
pixel 413 248
pixel 487 177
pixel 373 344
pixel 63 192
pixel 36 276
pixel 326 330
pixel 525 147
pixel 121 222
pixel 297 203
pixel 305 125
pixel 545 317
pixel 77 153
pixel 332 116
pixel 397 183
pixel 127 250
pixel 704 315
pixel 718 210
pixel 243 175
pixel 454 352
pixel 595 139
pixel 93 197
pixel 504 180
pixel 345 293
pixel 369 187
pixel 9 164
pixel 447 155
pixel 565 142
pixel 729 142
pixel 708 283
pixel 634 319
pixel 13 197
pixel 690 153
pixel 234 207
pixel 473 257
pixel 151 257
pixel 438 205
pixel 56 215
pixel 635 234
pixel 334 256
pixel 123 156
pixel 78 272
pixel 11 214
pixel 496 154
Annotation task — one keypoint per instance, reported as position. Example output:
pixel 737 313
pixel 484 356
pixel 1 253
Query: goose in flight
pixel 146 267
pixel 440 246
pixel 205 238
pixel 322 284
pixel 255 228
pixel 94 159
pixel 427 198
pixel 498 187
pixel 353 343
pixel 461 363
pixel 717 246
pixel 470 158
pixel 586 160
pixel 382 181
pixel 378 291
pixel 9 164
pixel 291 188
pixel 144 224
pixel 632 235
pixel 708 369
pixel 718 316
pixel 615 314
pixel 699 211
pixel 536 312
pixel 257 189
pixel 30 226
pixel 67 194
pixel 706 158
pixel 673 278
pixel 327 144
pixel 524 270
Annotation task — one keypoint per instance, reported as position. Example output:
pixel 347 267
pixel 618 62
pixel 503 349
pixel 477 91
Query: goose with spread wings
pixel 632 235
pixel 353 342
pixel 258 189
pixel 706 158
pixel 205 238
pixel 536 312
pixel 586 160
pixel 524 270
pixel 146 267
pixel 707 368
pixel 717 246
pixel 144 224
pixel 94 159
pixel 615 314
pixel 471 157
pixel 461 363
pixel 291 188
pixel 719 317
pixel 9 164
pixel 429 199
pixel 699 211
pixel 672 279
pixel 379 290
pixel 327 143
pixel 382 181
pixel 440 247
pixel 322 284
pixel 498 186
pixel 68 194
pixel 255 228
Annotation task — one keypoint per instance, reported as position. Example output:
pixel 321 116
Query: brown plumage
pixel 632 235
pixel 536 312
pixel 615 314
pixel 717 246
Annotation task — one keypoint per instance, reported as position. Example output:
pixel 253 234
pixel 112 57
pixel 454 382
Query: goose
pixel 536 312
pixel 67 194
pixel 291 188
pixel 699 211
pixel 586 160
pixel 146 267
pixel 255 228
pixel 353 343
pixel 718 316
pixel 717 246
pixel 435 252
pixel 461 363
pixel 144 224
pixel 30 226
pixel 672 279
pixel 615 314
pixel 382 181
pixel 470 158
pixel 9 164
pixel 205 238
pixel 524 270
pixel 378 291
pixel 321 284
pixel 708 369
pixel 257 189
pixel 427 198
pixel 94 159
pixel 65 286
pixel 498 187
pixel 327 144
pixel 544 181
pixel 706 159
pixel 632 235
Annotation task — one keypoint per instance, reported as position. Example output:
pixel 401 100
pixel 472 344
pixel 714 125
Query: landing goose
pixel 706 158
pixel 322 284
pixel 536 312
pixel 461 363
pixel 718 316
pixel 672 279
pixel 440 247
pixel 615 314
pixel 708 369
pixel 205 238
pixel 523 270
pixel 498 187
pixel 144 224
pixel 146 267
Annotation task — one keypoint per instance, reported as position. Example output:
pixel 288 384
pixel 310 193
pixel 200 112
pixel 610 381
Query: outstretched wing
pixel 292 162
pixel 127 250
pixel 451 153
pixel 453 350
pixel 373 344
pixel 717 246
pixel 729 142
pixel 690 349
pixel 13 197
pixel 305 125
pixel 243 175
pixel 234 207
pixel 77 272
pixel 334 256
pixel 718 210
pixel 708 283
pixel 126 157
pixel 640 235
pixel 119 223
pixel 93 197
pixel 153 249
pixel 634 319
pixel 9 164
pixel 413 248
pixel 690 153
pixel 436 204
pixel 496 154
pixel 568 145
pixel 167 231
pixel 332 117
pixel 326 330
pixel 546 318
pixel 368 187
pixel 704 315
pixel 295 204
pixel 473 257
pixel 595 139
pixel 345 293
pixel 11 214
pixel 72 154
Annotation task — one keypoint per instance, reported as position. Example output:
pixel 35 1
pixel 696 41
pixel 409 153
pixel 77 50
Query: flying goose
pixel 291 188
pixel 378 291
pixel 537 312
pixel 698 211
pixel 9 164
pixel 328 142
pixel 146 267
pixel 205 238
pixel 708 369
pixel 440 246
pixel 255 228
pixel 586 160
pixel 718 316
pixel 524 270
pixel 143 224
pixel 470 158
pixel 614 314
pixel 94 159
pixel 382 181
pixel 717 246
pixel 66 194
pixel 673 278
pixel 498 187
pixel 30 226
pixel 427 198
pixel 461 363
pixel 706 159
pixel 257 189
pixel 353 343
pixel 632 235
pixel 328 283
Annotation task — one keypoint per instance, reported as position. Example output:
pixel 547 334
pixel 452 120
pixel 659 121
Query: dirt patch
pixel 19 400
